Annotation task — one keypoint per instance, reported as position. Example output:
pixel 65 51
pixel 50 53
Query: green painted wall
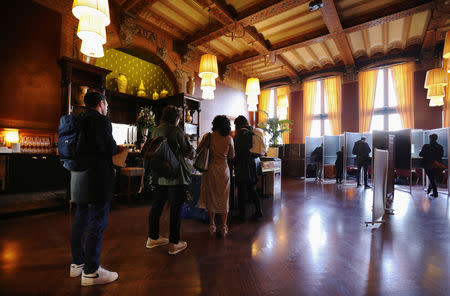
pixel 135 69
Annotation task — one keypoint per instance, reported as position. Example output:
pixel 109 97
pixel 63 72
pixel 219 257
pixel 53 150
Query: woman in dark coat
pixel 247 167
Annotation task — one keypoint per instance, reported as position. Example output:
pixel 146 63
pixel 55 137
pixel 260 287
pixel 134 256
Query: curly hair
pixel 222 125
pixel 170 114
pixel 241 122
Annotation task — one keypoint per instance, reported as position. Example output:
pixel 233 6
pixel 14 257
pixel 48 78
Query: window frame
pixel 322 116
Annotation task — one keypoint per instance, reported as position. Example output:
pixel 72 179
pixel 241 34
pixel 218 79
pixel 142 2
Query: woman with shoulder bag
pixel 215 187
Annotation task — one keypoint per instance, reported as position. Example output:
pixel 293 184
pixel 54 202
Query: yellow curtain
pixel 403 76
pixel 446 106
pixel 367 81
pixel 309 94
pixel 332 87
pixel 285 90
pixel 263 104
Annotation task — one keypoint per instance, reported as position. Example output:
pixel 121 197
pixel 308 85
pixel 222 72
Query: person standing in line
pixel 361 149
pixel 215 186
pixel 317 157
pixel 247 167
pixel 174 189
pixel 339 165
pixel 432 156
pixel 91 192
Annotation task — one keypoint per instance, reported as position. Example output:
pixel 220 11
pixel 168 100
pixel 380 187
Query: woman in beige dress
pixel 215 187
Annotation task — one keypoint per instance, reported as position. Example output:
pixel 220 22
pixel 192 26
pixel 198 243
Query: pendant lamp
pixel 98 8
pixel 208 85
pixel 252 90
pixel 91 49
pixel 435 91
pixel 435 76
pixel 436 102
pixel 91 28
pixel 446 53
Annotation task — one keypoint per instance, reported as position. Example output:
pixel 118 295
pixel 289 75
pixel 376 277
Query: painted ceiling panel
pixel 375 39
pixel 291 58
pixel 235 44
pixel 301 10
pixel 418 24
pixel 331 45
pixel 307 57
pixel 192 10
pixel 395 31
pixel 356 42
pixel 320 53
pixel 174 18
pixel 240 5
pixel 292 32
pixel 221 45
pixel 353 8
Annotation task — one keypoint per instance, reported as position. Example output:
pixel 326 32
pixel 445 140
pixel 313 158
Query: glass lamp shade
pixel 252 107
pixel 91 28
pixel 208 94
pixel 252 87
pixel 208 65
pixel 446 53
pixel 436 102
pixel 435 77
pixel 12 136
pixel 252 99
pixel 99 8
pixel 283 101
pixel 91 49
pixel 435 91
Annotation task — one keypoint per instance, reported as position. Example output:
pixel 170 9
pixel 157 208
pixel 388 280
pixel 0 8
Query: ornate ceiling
pixel 282 39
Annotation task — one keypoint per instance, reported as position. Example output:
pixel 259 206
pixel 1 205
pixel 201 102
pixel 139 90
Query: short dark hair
pixel 92 98
pixel 241 122
pixel 170 114
pixel 221 124
pixel 433 137
pixel 363 138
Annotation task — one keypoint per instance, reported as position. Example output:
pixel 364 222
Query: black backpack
pixel 160 159
pixel 72 142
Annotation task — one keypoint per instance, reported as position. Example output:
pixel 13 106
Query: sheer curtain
pixel 367 81
pixel 264 100
pixel 332 88
pixel 309 94
pixel 403 76
pixel 285 90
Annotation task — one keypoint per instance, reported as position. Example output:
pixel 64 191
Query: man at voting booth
pixel 361 149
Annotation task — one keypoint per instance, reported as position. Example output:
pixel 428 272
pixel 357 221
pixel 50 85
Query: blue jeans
pixel 87 233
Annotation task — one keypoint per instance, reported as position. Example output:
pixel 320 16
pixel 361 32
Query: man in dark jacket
pixel 246 167
pixel 361 149
pixel 339 165
pixel 317 158
pixel 431 154
pixel 92 191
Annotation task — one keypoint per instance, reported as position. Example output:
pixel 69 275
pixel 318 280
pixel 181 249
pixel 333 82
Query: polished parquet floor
pixel 312 241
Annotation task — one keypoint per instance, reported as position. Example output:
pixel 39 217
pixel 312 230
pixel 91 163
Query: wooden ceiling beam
pixel 218 10
pixel 331 20
pixel 135 7
pixel 438 18
pixel 286 66
pixel 150 18
pixel 248 20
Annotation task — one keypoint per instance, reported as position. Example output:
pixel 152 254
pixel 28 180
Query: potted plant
pixel 274 127
pixel 145 123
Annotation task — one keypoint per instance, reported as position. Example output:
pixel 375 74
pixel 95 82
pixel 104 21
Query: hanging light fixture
pixel 446 53
pixel 208 85
pixel 98 8
pixel 435 76
pixel 434 102
pixel 435 91
pixel 93 16
pixel 252 90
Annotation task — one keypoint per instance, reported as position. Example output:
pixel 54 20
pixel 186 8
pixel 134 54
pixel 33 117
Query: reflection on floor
pixel 312 241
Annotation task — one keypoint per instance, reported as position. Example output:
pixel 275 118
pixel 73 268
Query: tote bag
pixel 202 159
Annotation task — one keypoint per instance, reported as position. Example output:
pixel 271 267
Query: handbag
pixel 202 158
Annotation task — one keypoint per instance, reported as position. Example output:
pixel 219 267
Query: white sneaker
pixel 152 243
pixel 101 276
pixel 177 248
pixel 76 269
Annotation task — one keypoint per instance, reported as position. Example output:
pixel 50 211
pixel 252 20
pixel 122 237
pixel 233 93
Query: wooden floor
pixel 312 241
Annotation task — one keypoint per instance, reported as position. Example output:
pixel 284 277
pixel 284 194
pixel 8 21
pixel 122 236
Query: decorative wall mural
pixel 135 69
